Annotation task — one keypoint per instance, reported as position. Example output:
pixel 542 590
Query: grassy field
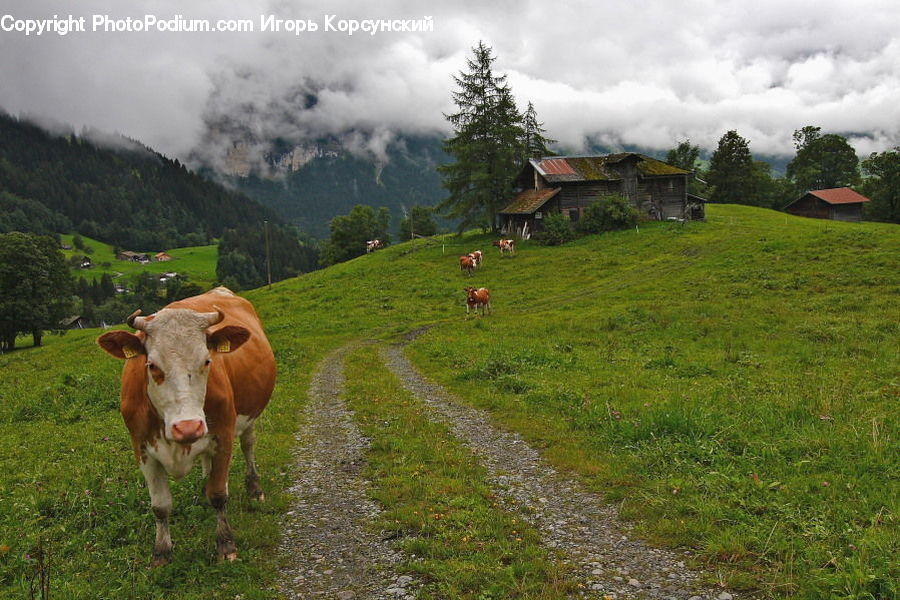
pixel 733 385
pixel 197 262
pixel 437 500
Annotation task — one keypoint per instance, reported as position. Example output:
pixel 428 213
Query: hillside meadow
pixel 198 263
pixel 732 385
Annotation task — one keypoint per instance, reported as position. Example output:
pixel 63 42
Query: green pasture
pixel 733 385
pixel 198 263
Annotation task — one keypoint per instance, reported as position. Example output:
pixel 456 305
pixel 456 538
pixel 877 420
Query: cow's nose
pixel 188 431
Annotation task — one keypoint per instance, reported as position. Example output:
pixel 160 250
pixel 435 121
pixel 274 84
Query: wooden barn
pixel 838 204
pixel 570 184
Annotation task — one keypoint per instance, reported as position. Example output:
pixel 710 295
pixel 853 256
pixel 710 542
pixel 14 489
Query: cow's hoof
pixel 160 560
pixel 229 556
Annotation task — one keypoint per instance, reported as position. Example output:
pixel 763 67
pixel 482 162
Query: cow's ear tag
pixel 129 352
pixel 224 346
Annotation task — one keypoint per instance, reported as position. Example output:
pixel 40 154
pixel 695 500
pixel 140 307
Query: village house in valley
pixel 569 184
pixel 130 255
pixel 837 204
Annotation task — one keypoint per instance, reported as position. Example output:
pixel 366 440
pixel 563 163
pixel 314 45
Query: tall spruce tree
pixel 486 145
pixel 535 143
pixel 732 171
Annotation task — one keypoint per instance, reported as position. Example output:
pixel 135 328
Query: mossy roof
pixel 525 203
pixel 558 169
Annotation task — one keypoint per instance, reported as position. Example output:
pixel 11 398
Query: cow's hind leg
pixel 161 504
pixel 217 494
pixel 248 446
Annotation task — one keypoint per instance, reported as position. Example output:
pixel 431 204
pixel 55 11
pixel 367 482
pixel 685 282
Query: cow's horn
pixel 214 318
pixel 136 322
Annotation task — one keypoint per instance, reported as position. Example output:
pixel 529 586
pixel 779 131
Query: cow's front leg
pixel 161 504
pixel 248 446
pixel 217 493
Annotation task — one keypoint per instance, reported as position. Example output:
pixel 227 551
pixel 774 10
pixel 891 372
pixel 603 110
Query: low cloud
pixel 644 74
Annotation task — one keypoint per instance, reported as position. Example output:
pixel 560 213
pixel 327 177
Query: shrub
pixel 608 214
pixel 557 230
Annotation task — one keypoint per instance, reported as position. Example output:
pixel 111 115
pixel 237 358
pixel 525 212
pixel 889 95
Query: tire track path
pixel 606 560
pixel 329 550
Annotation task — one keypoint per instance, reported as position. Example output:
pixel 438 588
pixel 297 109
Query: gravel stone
pixel 582 529
pixel 329 549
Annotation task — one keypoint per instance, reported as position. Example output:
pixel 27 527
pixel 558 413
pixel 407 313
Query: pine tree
pixel 487 145
pixel 534 141
pixel 731 170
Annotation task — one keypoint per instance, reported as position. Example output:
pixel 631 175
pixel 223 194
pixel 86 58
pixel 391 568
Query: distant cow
pixel 477 256
pixel 506 246
pixel 466 264
pixel 197 374
pixel 373 245
pixel 475 298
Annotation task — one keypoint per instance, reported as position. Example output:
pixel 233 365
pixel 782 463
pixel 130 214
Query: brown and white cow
pixel 477 256
pixel 506 246
pixel 373 245
pixel 480 297
pixel 197 375
pixel 466 264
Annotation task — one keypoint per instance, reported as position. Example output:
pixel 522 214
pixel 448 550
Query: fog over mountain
pixel 644 74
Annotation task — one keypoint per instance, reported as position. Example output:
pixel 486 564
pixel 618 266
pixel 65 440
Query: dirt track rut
pixel 336 556
pixel 330 551
pixel 586 532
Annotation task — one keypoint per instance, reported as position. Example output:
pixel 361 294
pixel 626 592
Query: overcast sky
pixel 643 72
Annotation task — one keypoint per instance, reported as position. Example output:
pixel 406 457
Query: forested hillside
pixel 332 185
pixel 130 196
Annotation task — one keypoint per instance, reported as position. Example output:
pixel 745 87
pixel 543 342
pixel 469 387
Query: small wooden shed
pixel 838 204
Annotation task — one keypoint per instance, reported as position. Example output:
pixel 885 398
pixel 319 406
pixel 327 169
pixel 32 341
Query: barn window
pixel 538 215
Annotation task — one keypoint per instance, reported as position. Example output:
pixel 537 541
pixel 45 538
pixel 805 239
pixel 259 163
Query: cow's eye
pixel 208 362
pixel 156 373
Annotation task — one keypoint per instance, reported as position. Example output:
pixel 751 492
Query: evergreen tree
pixel 534 142
pixel 732 171
pixel 486 145
pixel 242 255
pixel 107 286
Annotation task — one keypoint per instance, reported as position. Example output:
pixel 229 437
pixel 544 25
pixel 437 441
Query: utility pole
pixel 268 257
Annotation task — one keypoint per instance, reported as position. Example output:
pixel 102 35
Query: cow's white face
pixel 178 363
pixel 179 353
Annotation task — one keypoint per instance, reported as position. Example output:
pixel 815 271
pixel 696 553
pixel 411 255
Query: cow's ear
pixel 122 344
pixel 227 339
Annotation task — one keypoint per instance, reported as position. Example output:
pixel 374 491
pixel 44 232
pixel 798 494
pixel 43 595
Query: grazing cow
pixel 466 264
pixel 478 297
pixel 506 246
pixel 373 245
pixel 197 374
pixel 478 256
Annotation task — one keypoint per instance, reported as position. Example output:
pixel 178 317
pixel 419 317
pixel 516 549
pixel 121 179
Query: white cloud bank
pixel 645 73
